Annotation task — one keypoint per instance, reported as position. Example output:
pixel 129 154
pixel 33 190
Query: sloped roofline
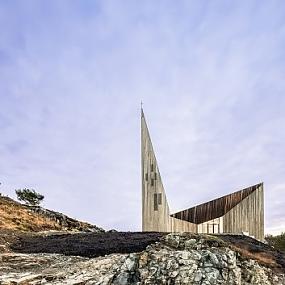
pixel 215 208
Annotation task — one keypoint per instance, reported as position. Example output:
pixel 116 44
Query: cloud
pixel 72 78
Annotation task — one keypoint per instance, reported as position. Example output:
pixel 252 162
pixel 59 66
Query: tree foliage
pixel 29 196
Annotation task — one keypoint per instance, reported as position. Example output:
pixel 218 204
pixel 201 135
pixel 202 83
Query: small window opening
pixel 159 198
pixel 146 177
pixel 155 202
pixel 152 182
pixel 155 176
pixel 151 167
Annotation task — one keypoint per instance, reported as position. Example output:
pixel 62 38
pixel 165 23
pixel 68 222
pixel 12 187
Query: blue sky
pixel 210 74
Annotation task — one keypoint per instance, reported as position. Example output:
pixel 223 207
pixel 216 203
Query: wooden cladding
pixel 215 208
pixel 247 216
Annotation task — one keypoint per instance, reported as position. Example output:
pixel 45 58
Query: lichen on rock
pixel 176 259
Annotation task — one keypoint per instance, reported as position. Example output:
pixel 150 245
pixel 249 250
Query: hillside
pixel 15 216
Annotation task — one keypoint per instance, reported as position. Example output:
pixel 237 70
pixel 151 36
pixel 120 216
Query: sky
pixel 210 75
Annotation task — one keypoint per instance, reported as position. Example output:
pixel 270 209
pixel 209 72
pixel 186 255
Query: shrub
pixel 29 196
pixel 277 242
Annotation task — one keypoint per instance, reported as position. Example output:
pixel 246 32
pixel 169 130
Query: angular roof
pixel 215 208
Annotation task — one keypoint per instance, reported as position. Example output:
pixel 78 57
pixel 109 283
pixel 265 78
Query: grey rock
pixel 177 259
pixel 122 279
pixel 198 276
pixel 130 263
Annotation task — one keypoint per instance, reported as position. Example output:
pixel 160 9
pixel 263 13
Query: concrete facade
pixel 239 212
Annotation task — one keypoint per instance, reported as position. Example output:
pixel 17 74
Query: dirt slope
pixel 18 217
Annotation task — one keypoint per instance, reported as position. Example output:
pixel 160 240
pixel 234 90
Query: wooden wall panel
pixel 213 226
pixel 247 216
pixel 215 208
pixel 177 225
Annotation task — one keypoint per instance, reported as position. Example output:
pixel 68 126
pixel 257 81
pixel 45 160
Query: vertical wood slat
pixel 215 208
pixel 247 216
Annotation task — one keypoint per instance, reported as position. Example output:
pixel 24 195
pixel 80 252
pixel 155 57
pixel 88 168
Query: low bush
pixel 277 242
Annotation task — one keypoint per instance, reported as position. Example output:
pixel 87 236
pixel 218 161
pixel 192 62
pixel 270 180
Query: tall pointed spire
pixel 155 210
pixel 242 211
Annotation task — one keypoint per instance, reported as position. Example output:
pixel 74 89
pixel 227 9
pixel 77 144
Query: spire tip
pixel 142 114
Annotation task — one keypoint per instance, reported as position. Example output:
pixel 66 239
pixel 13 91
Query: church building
pixel 239 212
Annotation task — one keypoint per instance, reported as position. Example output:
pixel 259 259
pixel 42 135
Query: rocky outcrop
pixel 175 259
pixel 64 221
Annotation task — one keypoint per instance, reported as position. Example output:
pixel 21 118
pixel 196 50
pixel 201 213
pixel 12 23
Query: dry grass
pixel 14 216
pixel 262 257
pixel 250 248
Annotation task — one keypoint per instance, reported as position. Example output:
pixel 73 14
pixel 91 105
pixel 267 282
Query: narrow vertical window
pixel 155 176
pixel 146 177
pixel 159 198
pixel 152 182
pixel 151 167
pixel 155 202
